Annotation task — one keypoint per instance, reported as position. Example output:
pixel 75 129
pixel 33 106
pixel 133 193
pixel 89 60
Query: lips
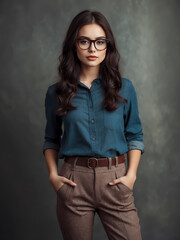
pixel 92 57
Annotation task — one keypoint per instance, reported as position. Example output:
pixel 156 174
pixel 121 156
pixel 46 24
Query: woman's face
pixel 91 31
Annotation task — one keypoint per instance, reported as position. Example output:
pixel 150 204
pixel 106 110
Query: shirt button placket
pixel 92 119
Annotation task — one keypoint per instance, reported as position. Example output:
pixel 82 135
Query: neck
pixel 89 73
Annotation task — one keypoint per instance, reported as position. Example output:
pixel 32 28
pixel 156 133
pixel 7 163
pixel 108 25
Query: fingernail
pixel 110 183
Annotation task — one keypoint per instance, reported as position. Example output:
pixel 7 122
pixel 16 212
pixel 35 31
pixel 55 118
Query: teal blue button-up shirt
pixel 90 130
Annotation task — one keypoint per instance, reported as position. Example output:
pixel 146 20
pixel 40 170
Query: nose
pixel 92 47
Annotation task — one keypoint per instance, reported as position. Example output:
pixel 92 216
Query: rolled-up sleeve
pixel 133 127
pixel 53 128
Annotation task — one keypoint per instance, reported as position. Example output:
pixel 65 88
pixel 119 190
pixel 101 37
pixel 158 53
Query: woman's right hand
pixel 58 181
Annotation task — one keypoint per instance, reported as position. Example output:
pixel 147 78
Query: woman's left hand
pixel 127 180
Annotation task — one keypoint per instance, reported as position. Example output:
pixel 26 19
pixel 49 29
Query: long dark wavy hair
pixel 70 66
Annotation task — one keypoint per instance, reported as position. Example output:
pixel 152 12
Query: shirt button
pixel 92 120
pixel 91 106
pixel 93 138
pixel 92 90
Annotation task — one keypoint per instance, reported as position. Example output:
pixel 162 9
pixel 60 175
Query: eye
pixel 101 42
pixel 84 42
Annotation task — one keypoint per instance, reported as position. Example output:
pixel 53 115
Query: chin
pixel 93 65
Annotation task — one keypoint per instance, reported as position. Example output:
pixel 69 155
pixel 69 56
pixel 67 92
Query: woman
pixel 98 111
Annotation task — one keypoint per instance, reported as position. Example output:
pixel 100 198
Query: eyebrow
pixel 90 39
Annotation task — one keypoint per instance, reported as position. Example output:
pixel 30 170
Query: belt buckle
pixel 89 162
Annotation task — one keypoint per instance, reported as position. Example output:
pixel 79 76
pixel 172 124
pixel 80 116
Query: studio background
pixel 148 38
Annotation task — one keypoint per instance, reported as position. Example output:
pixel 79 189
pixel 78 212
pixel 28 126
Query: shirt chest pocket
pixel 113 120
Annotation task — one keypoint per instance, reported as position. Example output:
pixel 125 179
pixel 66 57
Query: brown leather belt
pixel 92 162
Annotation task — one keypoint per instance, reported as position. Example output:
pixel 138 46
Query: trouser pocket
pixel 68 173
pixel 121 185
pixel 119 191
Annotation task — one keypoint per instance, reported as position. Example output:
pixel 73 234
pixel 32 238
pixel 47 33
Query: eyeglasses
pixel 100 44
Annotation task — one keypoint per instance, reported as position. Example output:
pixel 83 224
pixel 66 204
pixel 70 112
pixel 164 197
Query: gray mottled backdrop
pixel 148 38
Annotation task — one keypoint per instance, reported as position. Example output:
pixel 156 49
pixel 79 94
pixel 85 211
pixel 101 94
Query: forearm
pixel 51 157
pixel 133 159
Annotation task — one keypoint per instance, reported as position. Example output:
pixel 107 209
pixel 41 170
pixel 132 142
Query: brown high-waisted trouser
pixel 76 206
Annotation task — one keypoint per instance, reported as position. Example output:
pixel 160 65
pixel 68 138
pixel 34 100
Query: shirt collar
pixel 98 79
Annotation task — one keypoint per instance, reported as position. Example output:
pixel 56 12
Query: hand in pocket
pixel 126 180
pixel 58 181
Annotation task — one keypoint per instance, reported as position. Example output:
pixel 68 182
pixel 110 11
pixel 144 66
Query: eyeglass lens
pixel 100 44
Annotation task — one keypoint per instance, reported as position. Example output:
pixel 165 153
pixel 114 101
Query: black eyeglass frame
pixel 107 41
